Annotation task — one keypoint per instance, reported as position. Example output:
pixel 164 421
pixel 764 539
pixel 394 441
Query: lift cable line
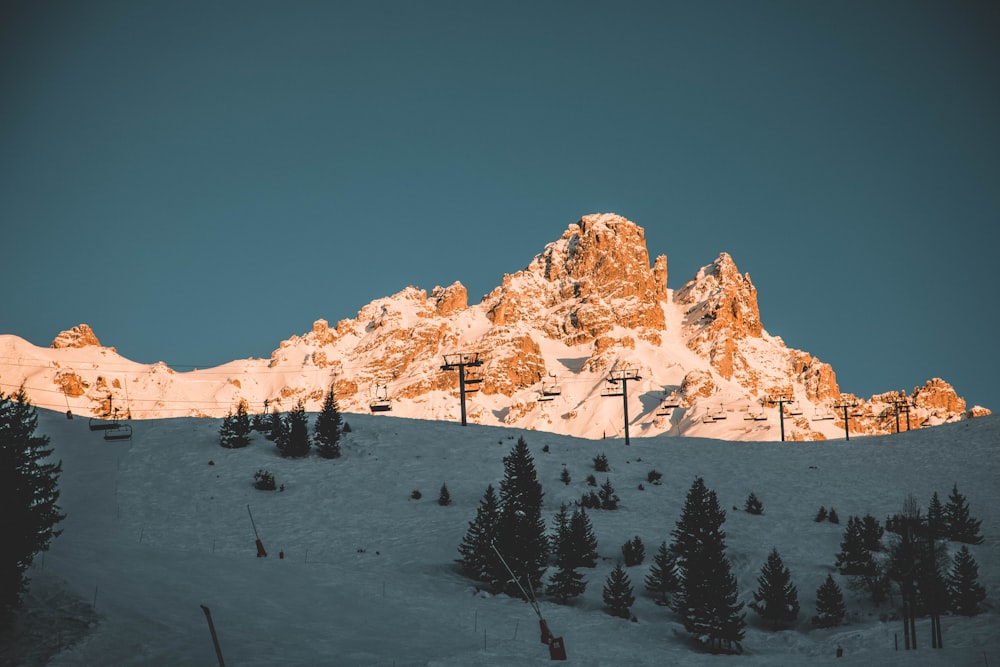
pixel 845 405
pixel 461 361
pixel 621 377
pixel 780 400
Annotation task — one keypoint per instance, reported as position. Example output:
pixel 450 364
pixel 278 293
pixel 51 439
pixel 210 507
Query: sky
pixel 200 181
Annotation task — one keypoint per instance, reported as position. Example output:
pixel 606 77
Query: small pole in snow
pixel 95 596
pixel 215 637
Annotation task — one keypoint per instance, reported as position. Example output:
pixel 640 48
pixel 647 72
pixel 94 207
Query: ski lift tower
pixel 460 361
pixel 622 376
pixel 779 399
pixel 901 403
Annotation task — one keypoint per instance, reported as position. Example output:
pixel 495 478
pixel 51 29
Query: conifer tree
pixel 707 600
pixel 854 557
pixel 28 496
pixel 478 559
pixel 753 504
pixel 609 500
pixel 964 591
pixel 832 516
pixel 871 533
pixel 633 552
pixel 564 476
pixel 601 463
pixel 662 580
pixel 583 542
pixel 820 515
pixel 566 582
pixel 276 427
pixel 961 526
pixel 617 593
pixel 295 440
pixel 520 534
pixel 326 432
pixel 559 539
pixel 936 524
pixel 235 430
pixel 444 497
pixel 830 609
pixel 776 598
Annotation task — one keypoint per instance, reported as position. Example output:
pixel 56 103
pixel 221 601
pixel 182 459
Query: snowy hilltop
pixel 554 341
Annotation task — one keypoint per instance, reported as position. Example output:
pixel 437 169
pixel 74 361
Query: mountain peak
pixel 79 336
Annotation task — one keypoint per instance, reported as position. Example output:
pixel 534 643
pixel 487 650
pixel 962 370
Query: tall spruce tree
pixel 871 533
pixel 830 609
pixel 295 441
pixel 617 593
pixel 936 524
pixel 28 496
pixel 854 557
pixel 520 535
pixel 236 428
pixel 583 542
pixel 276 428
pixel 707 601
pixel 326 431
pixel 964 591
pixel 776 598
pixel 961 526
pixel 662 580
pixel 478 560
pixel 566 582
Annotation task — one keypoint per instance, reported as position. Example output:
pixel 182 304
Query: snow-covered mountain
pixel 590 307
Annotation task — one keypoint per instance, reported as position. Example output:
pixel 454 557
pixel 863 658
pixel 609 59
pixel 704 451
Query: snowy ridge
pixel 586 306
pixel 159 526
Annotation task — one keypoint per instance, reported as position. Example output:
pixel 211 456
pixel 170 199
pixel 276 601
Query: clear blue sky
pixel 201 180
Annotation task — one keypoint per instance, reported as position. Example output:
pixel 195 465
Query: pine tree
pixel 662 579
pixel 820 515
pixel 633 552
pixel 601 463
pixel 609 500
pixel 832 516
pixel 776 598
pixel 478 559
pixel 521 531
pixel 964 591
pixel 936 523
pixel 276 429
pixel 28 495
pixel 854 557
pixel 753 504
pixel 564 477
pixel 871 533
pixel 961 526
pixel 583 542
pixel 560 538
pixel 444 498
pixel 707 600
pixel 830 609
pixel 565 583
pixel 326 432
pixel 295 443
pixel 235 430
pixel 617 593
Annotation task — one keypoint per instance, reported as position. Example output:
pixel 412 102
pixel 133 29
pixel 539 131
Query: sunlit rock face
pixel 79 336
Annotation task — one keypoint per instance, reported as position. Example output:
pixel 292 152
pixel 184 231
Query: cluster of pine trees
pixel 28 496
pixel 289 432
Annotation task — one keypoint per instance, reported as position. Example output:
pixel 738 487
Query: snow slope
pixel 157 526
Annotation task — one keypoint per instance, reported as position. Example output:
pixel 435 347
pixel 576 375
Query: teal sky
pixel 201 180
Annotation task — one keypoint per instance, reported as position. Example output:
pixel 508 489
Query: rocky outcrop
pixel 79 336
pixel 938 397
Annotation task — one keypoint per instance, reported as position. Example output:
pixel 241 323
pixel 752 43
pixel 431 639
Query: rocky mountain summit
pixel 549 341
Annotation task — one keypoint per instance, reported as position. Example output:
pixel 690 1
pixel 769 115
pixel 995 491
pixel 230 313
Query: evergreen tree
pixel 295 440
pixel 521 531
pixel 566 582
pixel 662 579
pixel 633 552
pixel 326 432
pixel 444 498
pixel 854 557
pixel 960 524
pixel 28 495
pixel 235 430
pixel 832 516
pixel 707 600
pixel 276 429
pixel 753 504
pixel 830 609
pixel 871 533
pixel 964 591
pixel 583 542
pixel 820 515
pixel 936 523
pixel 609 500
pixel 617 593
pixel 478 559
pixel 564 477
pixel 601 463
pixel 776 598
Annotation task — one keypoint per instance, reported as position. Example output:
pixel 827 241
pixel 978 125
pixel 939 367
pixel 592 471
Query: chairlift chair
pixel 381 402
pixel 99 424
pixel 611 389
